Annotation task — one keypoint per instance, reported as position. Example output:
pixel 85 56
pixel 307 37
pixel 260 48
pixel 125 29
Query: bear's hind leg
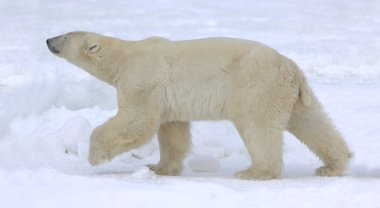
pixel 312 127
pixel 264 144
pixel 174 140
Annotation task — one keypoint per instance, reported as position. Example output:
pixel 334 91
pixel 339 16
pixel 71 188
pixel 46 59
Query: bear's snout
pixel 56 43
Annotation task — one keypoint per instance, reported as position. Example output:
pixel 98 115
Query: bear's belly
pixel 192 103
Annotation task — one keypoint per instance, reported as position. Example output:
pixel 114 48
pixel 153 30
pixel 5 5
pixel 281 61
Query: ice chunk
pixel 75 130
pixel 143 173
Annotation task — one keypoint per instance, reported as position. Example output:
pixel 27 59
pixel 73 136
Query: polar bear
pixel 163 85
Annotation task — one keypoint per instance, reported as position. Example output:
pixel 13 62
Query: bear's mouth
pixel 51 48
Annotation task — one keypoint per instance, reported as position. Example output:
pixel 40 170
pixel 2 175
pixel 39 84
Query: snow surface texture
pixel 48 107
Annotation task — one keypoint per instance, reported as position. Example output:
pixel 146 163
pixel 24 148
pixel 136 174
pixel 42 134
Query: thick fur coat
pixel 163 85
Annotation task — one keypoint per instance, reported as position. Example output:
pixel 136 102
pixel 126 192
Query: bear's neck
pixel 105 73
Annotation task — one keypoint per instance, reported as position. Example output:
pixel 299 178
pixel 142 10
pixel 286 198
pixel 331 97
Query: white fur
pixel 162 85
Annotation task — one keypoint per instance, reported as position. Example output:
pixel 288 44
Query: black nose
pixel 51 48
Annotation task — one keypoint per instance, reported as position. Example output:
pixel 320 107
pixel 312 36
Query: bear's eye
pixel 93 48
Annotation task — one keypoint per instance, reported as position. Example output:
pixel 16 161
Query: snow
pixel 48 107
pixel 203 163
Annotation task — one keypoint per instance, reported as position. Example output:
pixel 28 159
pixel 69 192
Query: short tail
pixel 305 93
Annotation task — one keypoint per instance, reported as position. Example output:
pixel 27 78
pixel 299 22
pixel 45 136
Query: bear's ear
pixel 93 48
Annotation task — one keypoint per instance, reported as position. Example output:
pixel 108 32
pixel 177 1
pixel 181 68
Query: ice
pixel 48 107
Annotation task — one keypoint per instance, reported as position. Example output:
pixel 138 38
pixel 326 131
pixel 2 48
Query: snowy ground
pixel 48 107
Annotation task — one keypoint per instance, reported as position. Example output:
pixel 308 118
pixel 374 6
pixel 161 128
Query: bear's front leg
pixel 174 140
pixel 134 125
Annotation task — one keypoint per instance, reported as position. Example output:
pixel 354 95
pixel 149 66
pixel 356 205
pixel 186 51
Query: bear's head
pixel 78 48
pixel 89 51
